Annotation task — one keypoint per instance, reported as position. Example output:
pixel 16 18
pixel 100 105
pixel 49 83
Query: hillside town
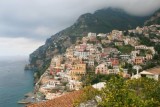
pixel 114 53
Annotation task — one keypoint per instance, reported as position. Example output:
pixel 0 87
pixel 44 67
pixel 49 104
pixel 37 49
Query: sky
pixel 26 24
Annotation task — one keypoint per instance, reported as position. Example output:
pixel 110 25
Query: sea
pixel 15 82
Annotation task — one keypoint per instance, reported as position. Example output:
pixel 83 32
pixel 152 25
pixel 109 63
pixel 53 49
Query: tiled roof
pixel 66 100
pixel 155 70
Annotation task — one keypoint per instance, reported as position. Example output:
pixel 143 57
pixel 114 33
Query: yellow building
pixel 110 37
pixel 76 60
pixel 77 71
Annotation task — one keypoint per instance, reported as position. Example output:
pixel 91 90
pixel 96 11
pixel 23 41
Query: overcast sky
pixel 26 24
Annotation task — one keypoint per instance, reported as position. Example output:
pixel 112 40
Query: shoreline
pixel 31 97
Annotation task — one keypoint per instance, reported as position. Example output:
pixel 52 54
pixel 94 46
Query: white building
pixel 134 53
pixel 90 62
pixel 141 47
pixel 74 85
pixel 99 85
pixel 82 54
pixel 145 48
pixel 102 35
pixel 125 57
pixel 90 34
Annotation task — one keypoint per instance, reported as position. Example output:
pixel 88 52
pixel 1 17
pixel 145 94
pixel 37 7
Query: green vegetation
pixel 145 41
pixel 126 49
pixel 129 67
pixel 152 36
pixel 43 68
pixel 125 33
pixel 155 21
pixel 142 52
pixel 157 48
pixel 118 92
pixel 91 79
pixel 131 93
pixel 149 64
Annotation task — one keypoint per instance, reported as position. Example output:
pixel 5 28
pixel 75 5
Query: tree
pixel 91 79
pixel 131 93
pixel 132 34
pixel 125 33
pixel 149 65
pixel 116 94
pixel 99 38
pixel 119 92
pixel 110 67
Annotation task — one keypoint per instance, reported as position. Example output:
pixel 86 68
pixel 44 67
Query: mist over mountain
pixel 33 22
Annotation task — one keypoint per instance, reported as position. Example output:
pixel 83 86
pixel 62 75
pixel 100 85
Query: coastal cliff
pixel 101 21
pixel 142 41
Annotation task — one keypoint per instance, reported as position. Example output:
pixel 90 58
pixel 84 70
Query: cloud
pixel 17 46
pixel 39 19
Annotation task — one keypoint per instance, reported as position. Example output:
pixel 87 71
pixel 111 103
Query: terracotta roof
pixel 66 100
pixel 155 70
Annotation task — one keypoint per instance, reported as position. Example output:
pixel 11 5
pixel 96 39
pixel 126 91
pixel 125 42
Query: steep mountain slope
pixel 155 19
pixel 102 21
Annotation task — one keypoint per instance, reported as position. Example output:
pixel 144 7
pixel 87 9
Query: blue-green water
pixel 14 82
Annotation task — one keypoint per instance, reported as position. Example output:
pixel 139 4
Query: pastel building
pixel 77 71
pixel 102 69
pixel 116 34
